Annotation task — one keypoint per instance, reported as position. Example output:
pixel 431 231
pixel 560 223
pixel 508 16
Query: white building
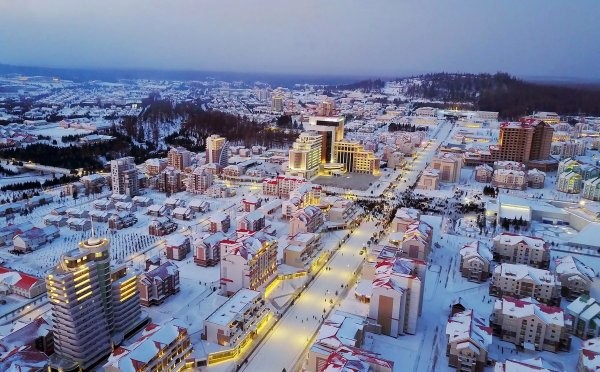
pixel 124 176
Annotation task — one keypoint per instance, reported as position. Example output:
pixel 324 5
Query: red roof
pixel 26 282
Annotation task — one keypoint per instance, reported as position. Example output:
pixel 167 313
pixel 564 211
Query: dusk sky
pixel 342 37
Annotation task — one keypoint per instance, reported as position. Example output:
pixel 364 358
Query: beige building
pixel 164 347
pixel 217 150
pixel 449 165
pixel 199 180
pixel 179 158
pixel 509 179
pixel 468 340
pixel 575 276
pixel 523 281
pixel 483 173
pixel 157 284
pixel 521 249
pixel 415 242
pixel 530 325
pixel 302 250
pixel 430 180
pixel 536 178
pixel 305 155
pixel 355 158
pixel 475 261
pixel 238 320
pixel 169 181
pixel 405 217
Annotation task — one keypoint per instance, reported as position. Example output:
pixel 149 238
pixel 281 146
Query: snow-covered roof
pixel 590 354
pixel 474 249
pixel 528 365
pixel 571 265
pixel 388 272
pixel 18 279
pixel 520 272
pixel 340 329
pixel 468 326
pixel 351 359
pixel 234 306
pixel 585 308
pixel 514 239
pixel 527 307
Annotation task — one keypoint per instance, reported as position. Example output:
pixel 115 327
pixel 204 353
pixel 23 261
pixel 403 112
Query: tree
pixel 75 194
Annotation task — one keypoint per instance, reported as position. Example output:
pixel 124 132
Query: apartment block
pixel 468 340
pixel 249 261
pixel 179 158
pixel 170 180
pixel 575 276
pixel 569 182
pixel 523 281
pixel 449 166
pixel 483 173
pixel 531 325
pixel 302 250
pixel 206 248
pixel 475 262
pixel 305 155
pixel 124 176
pixel 238 320
pixel 217 150
pixel 591 189
pixel 157 284
pixel 509 179
pixel 585 313
pixel 521 249
pixel 306 220
pixel 199 181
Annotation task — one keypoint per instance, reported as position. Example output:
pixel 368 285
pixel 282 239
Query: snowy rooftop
pixel 529 365
pixel 235 306
pixel 339 329
pixel 527 307
pixel 475 249
pixel 468 326
pixel 571 265
pixel 513 239
pixel 350 359
pixel 590 354
pixel 585 308
pixel 520 272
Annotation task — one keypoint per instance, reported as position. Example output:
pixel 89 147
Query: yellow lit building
pixel 305 155
pixel 355 158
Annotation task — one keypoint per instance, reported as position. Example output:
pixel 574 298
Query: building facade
pixel 124 176
pixel 521 249
pixel 522 281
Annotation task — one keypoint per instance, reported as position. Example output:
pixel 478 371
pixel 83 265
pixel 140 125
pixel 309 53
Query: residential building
pixel 169 181
pixel 569 182
pixel 277 103
pixel 252 221
pixel 415 242
pixel 430 179
pixel 219 222
pixel 281 186
pixel 157 284
pixel 509 165
pixel 206 248
pixel 483 173
pixel 22 284
pixel 339 329
pixel 34 238
pixel 155 166
pixel 359 360
pixel 575 276
pixel 585 312
pixel 468 340
pixel 523 281
pixel 161 226
pixel 528 365
pixel 251 203
pixel 179 158
pixel 521 249
pixel 475 262
pixel 27 348
pixel 177 246
pixel 124 176
pixel 92 307
pixel 589 356
pixel 536 178
pixel 509 179
pixel 591 189
pixel 183 213
pixel 397 295
pixel 448 166
pixel 305 155
pixel 217 150
pixel 249 261
pixel 531 325
pixel 238 320
pixel 302 250
pixel 165 347
pixel 199 180
pixel 405 217
pixel 308 219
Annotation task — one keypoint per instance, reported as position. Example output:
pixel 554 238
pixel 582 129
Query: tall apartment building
pixel 523 281
pixel 247 262
pixel 124 176
pixel 277 103
pixel 305 155
pixel 397 295
pixel 531 325
pixel 158 283
pixel 449 165
pixel 169 180
pixel 179 158
pixel 331 130
pixel 199 181
pixel 355 158
pixel 217 150
pixel 92 308
pixel 521 249
pixel 326 108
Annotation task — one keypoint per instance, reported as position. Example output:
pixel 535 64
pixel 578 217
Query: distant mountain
pixel 508 95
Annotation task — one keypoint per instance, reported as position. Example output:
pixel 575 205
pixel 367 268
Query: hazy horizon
pixel 547 39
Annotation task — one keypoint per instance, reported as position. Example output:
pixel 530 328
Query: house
pixel 468 340
pixel 125 207
pixel 99 216
pixel 302 250
pixel 27 348
pixel 121 220
pixel 182 213
pixel 531 325
pixel 77 213
pixel 58 221
pixel 173 203
pixel 483 173
pixel 165 347
pixel 207 249
pixel 585 311
pixel 575 276
pixel 252 221
pixel 238 320
pixel 219 222
pixel 527 365
pixel 416 241
pixel 156 210
pixel 142 201
pixel 22 284
pixel 353 359
pixel 178 246
pixel 251 203
pixel 521 249
pixel 430 180
pixel 198 205
pixel 8 232
pixel 309 219
pixel 103 204
pixel 536 178
pixel 509 179
pixel 589 356
pixel 79 224
pixel 523 281
pixel 161 226
pixel 158 284
pixel 475 260
pixel 34 238
pixel 403 218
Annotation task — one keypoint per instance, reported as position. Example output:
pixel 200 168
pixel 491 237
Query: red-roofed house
pixel 21 283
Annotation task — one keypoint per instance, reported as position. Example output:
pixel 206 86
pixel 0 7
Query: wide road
pixel 288 340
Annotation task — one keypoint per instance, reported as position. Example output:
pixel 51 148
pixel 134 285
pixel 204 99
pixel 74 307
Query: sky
pixel 543 38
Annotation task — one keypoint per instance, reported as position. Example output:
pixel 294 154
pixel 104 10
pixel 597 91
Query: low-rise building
pixel 21 284
pixel 509 179
pixel 302 250
pixel 589 356
pixel 165 347
pixel 27 348
pixel 158 283
pixel 252 221
pixel 430 180
pixel 468 340
pixel 585 312
pixel 521 249
pixel 121 221
pixel 449 165
pixel 34 238
pixel 306 220
pixel 591 189
pixel 575 276
pixel 528 365
pixel 161 226
pixel 531 325
pixel 475 260
pixel 536 178
pixel 356 360
pixel 178 246
pixel 219 222
pixel 483 173
pixel 182 213
pixel 415 242
pixel 523 281
pixel 238 320
pixel 206 248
